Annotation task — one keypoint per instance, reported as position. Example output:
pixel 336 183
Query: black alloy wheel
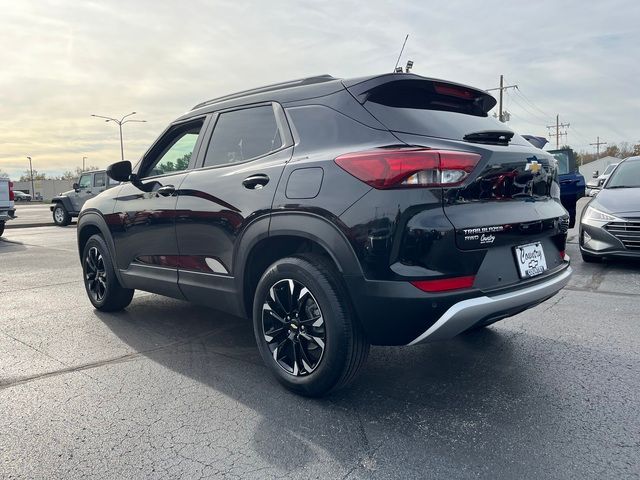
pixel 101 283
pixel 293 327
pixel 304 325
pixel 95 274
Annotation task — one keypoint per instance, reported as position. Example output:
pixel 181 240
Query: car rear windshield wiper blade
pixel 623 186
pixel 490 137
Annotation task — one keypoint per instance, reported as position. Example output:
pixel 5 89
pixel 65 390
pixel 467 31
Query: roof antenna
pixel 397 69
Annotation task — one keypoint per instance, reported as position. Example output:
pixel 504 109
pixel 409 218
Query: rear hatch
pixel 510 198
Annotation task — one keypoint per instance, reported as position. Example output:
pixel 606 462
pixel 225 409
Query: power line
pixel 526 99
pixel 534 116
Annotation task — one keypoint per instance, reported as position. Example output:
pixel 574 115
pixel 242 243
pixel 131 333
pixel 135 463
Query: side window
pixel 241 135
pixel 173 151
pixel 85 181
pixel 112 181
pixel 99 179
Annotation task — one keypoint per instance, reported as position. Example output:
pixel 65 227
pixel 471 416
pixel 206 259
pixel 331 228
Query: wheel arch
pixel 288 234
pixel 91 223
pixel 66 203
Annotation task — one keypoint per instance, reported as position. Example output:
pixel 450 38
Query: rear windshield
pixel 412 110
pixel 563 162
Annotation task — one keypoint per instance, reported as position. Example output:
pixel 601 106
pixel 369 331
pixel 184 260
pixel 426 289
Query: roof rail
pixel 268 88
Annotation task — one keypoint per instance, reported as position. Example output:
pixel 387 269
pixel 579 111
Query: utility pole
pixel 83 159
pixel 597 144
pixel 33 190
pixel 501 88
pixel 557 127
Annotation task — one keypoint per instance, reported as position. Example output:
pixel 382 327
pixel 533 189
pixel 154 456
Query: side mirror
pixel 120 171
pixel 76 186
pixel 595 174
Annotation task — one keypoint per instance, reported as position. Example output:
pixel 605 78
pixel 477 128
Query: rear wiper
pixel 490 137
pixel 623 186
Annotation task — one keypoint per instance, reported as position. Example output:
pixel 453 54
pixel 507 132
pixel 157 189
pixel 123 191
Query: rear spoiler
pixel 362 89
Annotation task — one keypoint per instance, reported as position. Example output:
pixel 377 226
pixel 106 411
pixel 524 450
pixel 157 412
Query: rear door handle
pixel 166 191
pixel 256 182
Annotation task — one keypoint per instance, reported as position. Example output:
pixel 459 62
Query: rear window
pixel 417 110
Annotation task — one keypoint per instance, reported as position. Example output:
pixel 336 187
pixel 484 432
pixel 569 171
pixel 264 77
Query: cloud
pixel 64 60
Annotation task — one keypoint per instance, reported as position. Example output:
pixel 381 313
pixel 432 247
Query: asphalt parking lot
pixel 167 389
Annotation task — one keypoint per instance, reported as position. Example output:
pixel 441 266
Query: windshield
pixel 626 175
pixel 610 168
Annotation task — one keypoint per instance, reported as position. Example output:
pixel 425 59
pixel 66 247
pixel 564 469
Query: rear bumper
pixel 467 313
pixel 397 313
pixel 6 215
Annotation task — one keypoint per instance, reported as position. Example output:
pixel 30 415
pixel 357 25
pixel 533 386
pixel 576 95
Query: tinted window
pixel 85 181
pixel 242 135
pixel 176 149
pixel 414 109
pixel 99 179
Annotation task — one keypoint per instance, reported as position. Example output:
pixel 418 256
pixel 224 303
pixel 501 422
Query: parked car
pixel 7 210
pixel 67 205
pixel 21 196
pixel 595 184
pixel 610 223
pixel 572 184
pixel 386 210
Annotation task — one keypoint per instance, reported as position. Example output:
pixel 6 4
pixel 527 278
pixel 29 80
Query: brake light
pixel 444 284
pixel 11 194
pixel 562 254
pixel 454 91
pixel 409 167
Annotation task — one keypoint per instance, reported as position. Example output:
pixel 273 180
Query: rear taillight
pixel 444 284
pixel 416 167
pixel 11 194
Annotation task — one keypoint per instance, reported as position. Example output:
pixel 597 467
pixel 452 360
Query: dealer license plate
pixel 530 260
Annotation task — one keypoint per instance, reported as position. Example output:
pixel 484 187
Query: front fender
pixel 66 203
pixel 88 222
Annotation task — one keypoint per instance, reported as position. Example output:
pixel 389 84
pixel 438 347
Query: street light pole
pixel 83 159
pixel 120 122
pixel 33 190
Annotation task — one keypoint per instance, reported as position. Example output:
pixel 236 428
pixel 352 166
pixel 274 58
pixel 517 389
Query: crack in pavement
pixel 4 384
pixel 602 292
pixel 87 366
pixel 40 286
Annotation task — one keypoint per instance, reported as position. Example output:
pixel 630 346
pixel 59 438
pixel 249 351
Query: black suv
pixel 386 210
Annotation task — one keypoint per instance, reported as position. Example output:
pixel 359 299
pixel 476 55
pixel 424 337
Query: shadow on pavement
pixel 480 393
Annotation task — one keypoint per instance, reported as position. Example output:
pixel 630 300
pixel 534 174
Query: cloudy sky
pixel 63 60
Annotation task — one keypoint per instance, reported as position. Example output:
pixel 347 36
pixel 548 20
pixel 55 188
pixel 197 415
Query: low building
pixel 44 189
pixel 599 165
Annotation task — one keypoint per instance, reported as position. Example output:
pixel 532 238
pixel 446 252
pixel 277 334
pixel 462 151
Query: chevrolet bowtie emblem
pixel 533 167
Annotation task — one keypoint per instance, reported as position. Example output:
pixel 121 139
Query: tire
pixel 1 227
pixel 323 342
pixel 590 258
pixel 100 280
pixel 60 215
